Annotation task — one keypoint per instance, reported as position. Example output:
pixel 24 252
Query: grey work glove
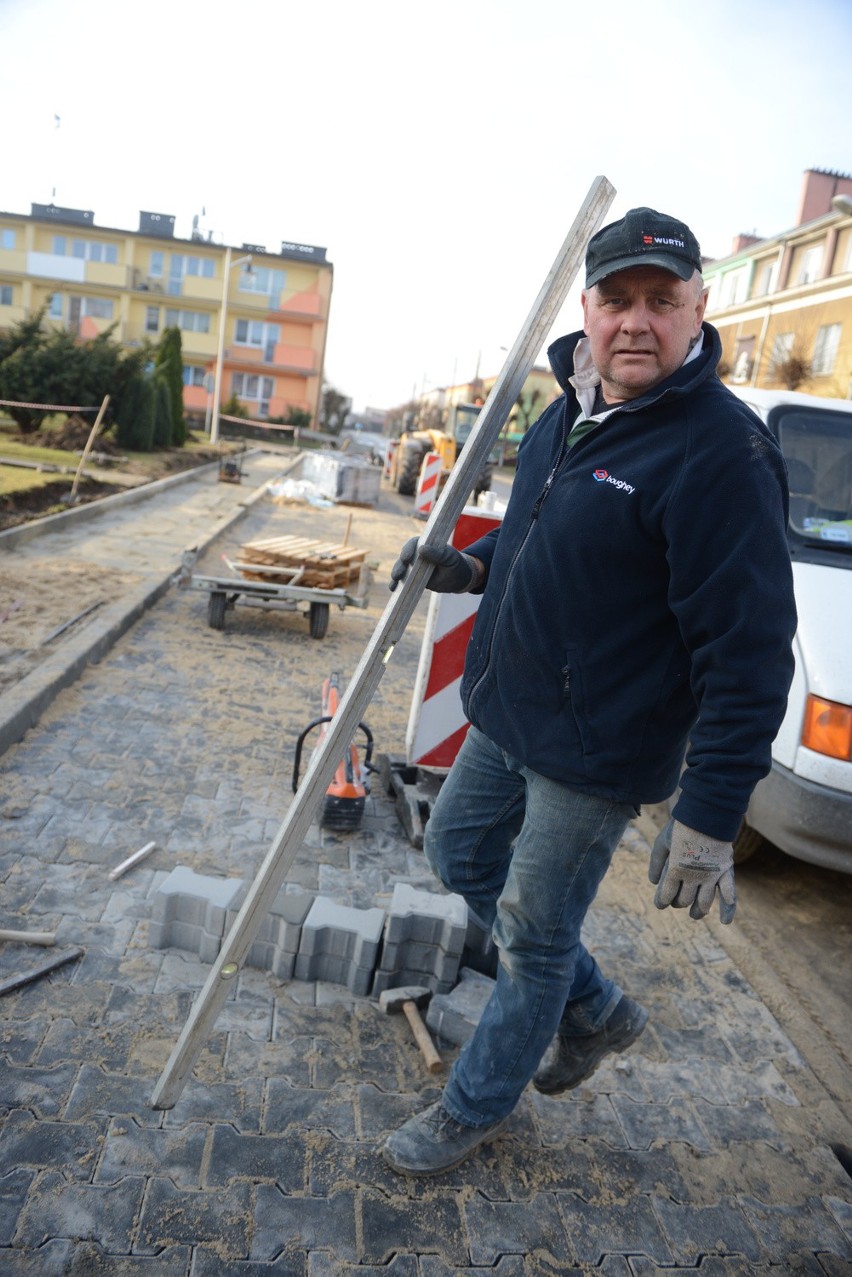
pixel 453 572
pixel 689 867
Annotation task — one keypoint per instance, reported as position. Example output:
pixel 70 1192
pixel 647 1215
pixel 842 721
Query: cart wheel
pixel 216 610
pixel 319 619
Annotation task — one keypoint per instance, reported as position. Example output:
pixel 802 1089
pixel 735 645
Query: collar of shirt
pixel 586 378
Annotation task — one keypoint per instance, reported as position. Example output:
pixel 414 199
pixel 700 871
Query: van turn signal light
pixel 828 728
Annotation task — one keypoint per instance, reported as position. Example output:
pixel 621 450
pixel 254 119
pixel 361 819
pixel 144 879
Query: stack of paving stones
pixel 305 937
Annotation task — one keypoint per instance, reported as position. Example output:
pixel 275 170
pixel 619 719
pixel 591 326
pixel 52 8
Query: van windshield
pixel 817 446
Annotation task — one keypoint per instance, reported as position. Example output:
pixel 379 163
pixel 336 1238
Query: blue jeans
pixel 528 855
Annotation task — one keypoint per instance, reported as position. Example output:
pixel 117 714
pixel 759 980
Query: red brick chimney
pixel 818 188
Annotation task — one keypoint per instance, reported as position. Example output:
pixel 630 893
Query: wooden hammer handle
pixel 421 1033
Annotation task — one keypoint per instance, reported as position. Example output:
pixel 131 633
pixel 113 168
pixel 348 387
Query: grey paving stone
pixel 20 1041
pixel 107 1046
pixel 44 1090
pixel 498 1228
pixel 321 1264
pixel 795 1227
pixel 289 1108
pixel 432 1224
pixel 235 1156
pixel 577 1116
pixel 591 1229
pixel 297 1223
pixel 71 1147
pixel 696 1231
pixel 506 1266
pixel 729 1123
pixel 240 1103
pixel 97 1092
pixel 454 1016
pixel 132 1149
pixel 56 1209
pixel 644 1124
pixel 14 1186
pixel 53 1258
pixel 172 1216
pixel 207 1263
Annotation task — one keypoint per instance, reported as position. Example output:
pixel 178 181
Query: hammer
pixel 408 1000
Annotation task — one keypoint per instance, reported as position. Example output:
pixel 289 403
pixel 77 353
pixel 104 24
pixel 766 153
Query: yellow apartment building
pixel 272 308
pixel 783 306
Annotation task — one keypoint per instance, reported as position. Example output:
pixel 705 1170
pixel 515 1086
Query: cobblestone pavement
pixel 708 1147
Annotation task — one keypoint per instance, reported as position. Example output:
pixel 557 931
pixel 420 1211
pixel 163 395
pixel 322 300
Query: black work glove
pixel 453 572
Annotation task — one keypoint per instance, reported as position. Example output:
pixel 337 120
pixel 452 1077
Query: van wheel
pixel 747 842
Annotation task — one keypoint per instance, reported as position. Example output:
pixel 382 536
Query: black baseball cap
pixel 643 237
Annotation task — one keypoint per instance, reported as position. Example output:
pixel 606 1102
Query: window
pixel 194 375
pixel 96 307
pixel 782 348
pixel 825 349
pixel 55 307
pixel 734 286
pixel 5 294
pixel 191 321
pixel 810 264
pixel 186 264
pixel 253 332
pixel 262 280
pixel 155 270
pixel 249 386
pixel 87 250
pixel 7 238
pixel 767 277
pixel 152 319
pixel 743 360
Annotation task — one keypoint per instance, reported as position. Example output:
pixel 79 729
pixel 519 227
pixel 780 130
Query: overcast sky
pixel 439 152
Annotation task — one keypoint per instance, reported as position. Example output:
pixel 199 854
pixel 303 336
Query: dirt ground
pixel 32 609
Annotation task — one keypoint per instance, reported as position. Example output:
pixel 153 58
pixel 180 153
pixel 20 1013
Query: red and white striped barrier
pixel 427 485
pixel 436 724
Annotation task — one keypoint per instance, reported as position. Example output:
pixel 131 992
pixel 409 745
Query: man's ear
pixel 584 298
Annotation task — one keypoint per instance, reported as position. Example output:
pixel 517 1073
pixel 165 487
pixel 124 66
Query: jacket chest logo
pixel 604 476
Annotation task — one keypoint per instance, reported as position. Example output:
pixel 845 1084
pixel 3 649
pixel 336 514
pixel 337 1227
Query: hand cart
pixel 280 588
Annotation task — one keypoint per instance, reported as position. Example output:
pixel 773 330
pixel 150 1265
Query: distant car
pixel 804 805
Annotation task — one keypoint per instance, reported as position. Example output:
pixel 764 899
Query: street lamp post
pixel 220 352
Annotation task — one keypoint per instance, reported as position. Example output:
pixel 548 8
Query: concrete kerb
pixel 22 706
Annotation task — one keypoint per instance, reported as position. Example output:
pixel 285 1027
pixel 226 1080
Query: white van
pixel 804 806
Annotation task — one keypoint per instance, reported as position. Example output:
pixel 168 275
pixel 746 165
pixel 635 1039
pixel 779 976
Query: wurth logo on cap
pixel 604 476
pixel 659 239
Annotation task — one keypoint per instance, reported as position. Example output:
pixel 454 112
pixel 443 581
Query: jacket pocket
pixel 574 702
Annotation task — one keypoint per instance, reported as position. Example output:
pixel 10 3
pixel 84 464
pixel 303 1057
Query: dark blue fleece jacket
pixel 639 594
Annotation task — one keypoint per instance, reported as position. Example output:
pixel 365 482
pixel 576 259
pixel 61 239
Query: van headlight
pixel 828 728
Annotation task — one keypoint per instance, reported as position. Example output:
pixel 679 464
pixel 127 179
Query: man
pixel 637 596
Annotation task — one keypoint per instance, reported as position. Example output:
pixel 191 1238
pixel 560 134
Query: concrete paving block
pixel 189 909
pixel 425 958
pixel 427 917
pixel 454 1016
pixel 339 944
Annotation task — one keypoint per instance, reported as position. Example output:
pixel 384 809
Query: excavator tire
pixel 408 468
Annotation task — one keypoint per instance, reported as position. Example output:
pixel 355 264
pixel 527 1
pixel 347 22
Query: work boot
pixel 573 1058
pixel 432 1142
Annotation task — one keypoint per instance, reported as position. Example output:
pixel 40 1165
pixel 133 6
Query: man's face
pixel 640 324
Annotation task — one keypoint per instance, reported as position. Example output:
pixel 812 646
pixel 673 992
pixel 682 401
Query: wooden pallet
pixel 320 564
